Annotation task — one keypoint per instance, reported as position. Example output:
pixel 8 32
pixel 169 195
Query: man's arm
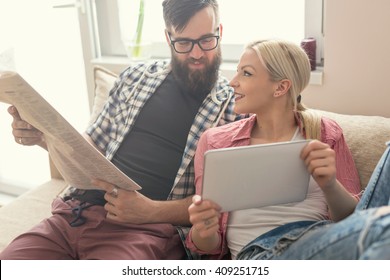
pixel 175 211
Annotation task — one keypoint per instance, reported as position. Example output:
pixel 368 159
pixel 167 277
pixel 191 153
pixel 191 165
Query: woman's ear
pixel 283 87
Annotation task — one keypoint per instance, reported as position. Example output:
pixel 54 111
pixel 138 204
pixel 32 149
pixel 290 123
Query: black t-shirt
pixel 152 152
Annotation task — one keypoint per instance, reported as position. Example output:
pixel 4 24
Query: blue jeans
pixel 365 234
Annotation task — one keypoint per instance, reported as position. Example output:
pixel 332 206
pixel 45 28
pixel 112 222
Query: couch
pixel 365 135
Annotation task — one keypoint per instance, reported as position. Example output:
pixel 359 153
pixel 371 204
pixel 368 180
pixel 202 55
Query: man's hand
pixel 127 206
pixel 23 132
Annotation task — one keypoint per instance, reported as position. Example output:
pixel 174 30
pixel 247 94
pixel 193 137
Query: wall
pixel 357 59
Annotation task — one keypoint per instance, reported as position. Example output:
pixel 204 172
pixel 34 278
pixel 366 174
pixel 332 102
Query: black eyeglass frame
pixel 193 42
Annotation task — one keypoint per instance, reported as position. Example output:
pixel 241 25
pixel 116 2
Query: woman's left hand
pixel 320 160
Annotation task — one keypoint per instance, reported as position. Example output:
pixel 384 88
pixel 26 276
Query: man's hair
pixel 177 13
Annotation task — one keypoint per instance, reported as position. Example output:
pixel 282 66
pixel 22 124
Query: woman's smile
pixel 238 96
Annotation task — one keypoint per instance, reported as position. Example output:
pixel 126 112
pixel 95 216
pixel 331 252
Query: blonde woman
pixel 270 78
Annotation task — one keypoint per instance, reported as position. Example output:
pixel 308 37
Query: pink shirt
pixel 238 134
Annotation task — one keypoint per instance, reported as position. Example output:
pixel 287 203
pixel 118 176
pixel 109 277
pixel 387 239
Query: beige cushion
pixel 27 210
pixel 104 81
pixel 366 137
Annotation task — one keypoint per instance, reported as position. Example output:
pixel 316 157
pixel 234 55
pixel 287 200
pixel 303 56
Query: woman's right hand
pixel 23 132
pixel 204 216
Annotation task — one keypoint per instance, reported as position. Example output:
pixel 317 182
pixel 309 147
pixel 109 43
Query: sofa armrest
pixel 25 211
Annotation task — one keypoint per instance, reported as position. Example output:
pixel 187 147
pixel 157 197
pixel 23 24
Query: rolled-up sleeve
pixel 347 173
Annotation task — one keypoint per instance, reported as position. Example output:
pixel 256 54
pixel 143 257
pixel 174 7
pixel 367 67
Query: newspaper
pixel 75 158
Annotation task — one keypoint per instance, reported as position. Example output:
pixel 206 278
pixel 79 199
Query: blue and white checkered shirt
pixel 127 98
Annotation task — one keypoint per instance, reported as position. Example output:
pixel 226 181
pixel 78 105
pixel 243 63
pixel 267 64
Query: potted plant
pixel 136 47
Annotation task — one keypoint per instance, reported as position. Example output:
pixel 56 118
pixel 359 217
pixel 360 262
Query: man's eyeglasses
pixel 207 43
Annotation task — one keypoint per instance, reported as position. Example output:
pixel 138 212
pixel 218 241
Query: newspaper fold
pixel 76 159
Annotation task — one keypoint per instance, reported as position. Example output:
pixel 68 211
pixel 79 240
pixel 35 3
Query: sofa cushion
pixel 104 81
pixel 366 137
pixel 27 210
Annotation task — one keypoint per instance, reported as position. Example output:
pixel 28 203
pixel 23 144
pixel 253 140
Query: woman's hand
pixel 321 163
pixel 320 160
pixel 204 216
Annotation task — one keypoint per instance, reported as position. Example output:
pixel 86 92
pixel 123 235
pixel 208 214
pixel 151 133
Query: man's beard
pixel 196 81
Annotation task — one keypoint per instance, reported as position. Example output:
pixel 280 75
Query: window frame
pixel 107 37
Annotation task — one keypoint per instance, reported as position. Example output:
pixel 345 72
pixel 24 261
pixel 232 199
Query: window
pixel 46 49
pixel 251 19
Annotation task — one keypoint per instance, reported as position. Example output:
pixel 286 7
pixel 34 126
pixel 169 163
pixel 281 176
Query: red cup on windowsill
pixel 310 47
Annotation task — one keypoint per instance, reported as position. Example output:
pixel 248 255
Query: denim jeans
pixel 365 234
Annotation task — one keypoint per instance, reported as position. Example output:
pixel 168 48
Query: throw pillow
pixel 104 80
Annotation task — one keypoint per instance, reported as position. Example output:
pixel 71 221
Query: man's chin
pixel 198 78
pixel 197 74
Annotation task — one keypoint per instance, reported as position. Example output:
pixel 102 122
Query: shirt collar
pixel 245 128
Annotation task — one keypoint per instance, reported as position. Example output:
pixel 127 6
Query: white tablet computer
pixel 255 176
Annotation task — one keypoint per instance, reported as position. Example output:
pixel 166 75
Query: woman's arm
pixel 205 235
pixel 204 216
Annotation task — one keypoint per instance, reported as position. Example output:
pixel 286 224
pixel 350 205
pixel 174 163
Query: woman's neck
pixel 278 127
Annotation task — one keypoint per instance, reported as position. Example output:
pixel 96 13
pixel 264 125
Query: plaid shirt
pixel 126 99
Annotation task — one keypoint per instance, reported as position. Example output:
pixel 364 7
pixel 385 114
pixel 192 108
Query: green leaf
pixel 138 34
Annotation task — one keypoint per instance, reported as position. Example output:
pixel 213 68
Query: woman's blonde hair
pixel 286 60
